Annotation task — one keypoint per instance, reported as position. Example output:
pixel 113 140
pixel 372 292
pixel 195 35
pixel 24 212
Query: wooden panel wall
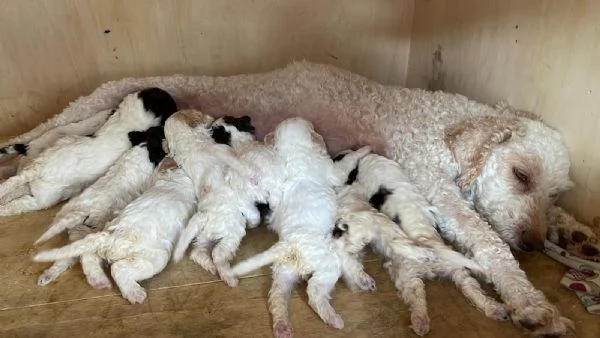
pixel 543 56
pixel 52 51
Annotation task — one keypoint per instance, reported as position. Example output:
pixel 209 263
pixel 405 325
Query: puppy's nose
pixel 530 241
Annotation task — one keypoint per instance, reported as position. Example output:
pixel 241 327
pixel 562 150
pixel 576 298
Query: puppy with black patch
pixel 74 162
pixel 378 192
pixel 99 203
pixel 231 203
pixel 138 243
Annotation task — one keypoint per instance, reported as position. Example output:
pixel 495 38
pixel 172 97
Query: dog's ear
pixel 318 139
pixel 269 139
pixel 471 142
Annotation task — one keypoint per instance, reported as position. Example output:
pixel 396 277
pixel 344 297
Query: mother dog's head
pixel 512 168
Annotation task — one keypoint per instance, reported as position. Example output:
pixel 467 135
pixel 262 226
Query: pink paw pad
pixel 282 330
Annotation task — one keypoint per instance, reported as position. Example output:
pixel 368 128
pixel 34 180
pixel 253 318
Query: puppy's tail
pixel 266 257
pixel 453 258
pixel 186 236
pixel 67 222
pixel 89 244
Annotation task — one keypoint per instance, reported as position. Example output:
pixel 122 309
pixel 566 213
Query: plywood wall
pixel 543 56
pixel 52 51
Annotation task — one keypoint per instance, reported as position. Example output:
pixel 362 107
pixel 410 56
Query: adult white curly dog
pixel 99 203
pixel 138 243
pixel 304 221
pixel 493 173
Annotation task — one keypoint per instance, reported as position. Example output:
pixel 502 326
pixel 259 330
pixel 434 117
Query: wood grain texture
pixel 52 51
pixel 538 55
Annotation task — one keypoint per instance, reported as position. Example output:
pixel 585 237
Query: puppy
pixel 72 163
pixel 28 151
pixel 377 183
pixel 304 221
pixel 99 203
pixel 223 211
pixel 139 241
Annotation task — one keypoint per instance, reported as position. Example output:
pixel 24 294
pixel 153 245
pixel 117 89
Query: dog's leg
pixel 412 291
pixel 320 285
pixel 126 274
pixel 529 307
pixel 9 170
pixel 55 270
pixel 224 251
pixel 91 264
pixel 471 289
pixel 284 281
pixel 354 274
pixel 201 253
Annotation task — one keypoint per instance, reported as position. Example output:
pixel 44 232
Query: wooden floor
pixel 185 301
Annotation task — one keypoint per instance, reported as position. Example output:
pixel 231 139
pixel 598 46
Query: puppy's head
pixel 232 130
pixel 349 161
pixel 296 132
pixel 158 102
pixel 512 168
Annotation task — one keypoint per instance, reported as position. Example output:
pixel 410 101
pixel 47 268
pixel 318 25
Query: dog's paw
pixel 367 283
pixel 135 295
pixel 497 312
pixel 46 278
pixel 542 321
pixel 419 323
pixel 99 282
pixel 229 279
pixel 334 320
pixel 282 329
pixel 204 260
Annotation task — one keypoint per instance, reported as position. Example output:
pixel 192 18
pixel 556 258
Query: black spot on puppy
pixel 242 124
pixel 339 157
pixel 159 102
pixel 220 135
pixel 352 176
pixel 136 137
pixel 264 209
pixel 379 197
pixel 397 220
pixel 21 148
pixel 339 230
pixel 154 142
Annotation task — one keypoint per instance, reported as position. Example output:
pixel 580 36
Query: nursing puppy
pixel 26 152
pixel 72 163
pixel 139 241
pixel 223 212
pixel 377 183
pixel 304 221
pixel 99 203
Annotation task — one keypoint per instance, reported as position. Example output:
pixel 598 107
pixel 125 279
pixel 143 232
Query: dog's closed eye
pixel 522 176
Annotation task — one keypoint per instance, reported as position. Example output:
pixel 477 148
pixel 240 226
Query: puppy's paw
pixel 282 329
pixel 46 278
pixel 367 283
pixel 136 295
pixel 542 321
pixel 229 279
pixel 497 312
pixel 99 282
pixel 420 323
pixel 204 260
pixel 334 320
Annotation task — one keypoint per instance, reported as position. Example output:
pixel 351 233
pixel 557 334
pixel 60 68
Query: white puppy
pixel 379 183
pixel 99 203
pixel 223 211
pixel 304 221
pixel 74 162
pixel 138 243
pixel 28 151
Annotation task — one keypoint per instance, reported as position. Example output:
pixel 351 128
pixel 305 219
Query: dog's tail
pixel 88 244
pixel 266 257
pixel 449 256
pixel 67 222
pixel 186 237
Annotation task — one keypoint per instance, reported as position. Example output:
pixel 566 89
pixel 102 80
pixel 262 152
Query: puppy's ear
pixel 471 142
pixel 159 102
pixel 318 139
pixel 136 137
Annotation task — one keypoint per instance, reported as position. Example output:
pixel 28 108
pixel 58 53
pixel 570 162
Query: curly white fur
pixel 138 243
pixel 304 220
pixel 381 182
pixel 99 203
